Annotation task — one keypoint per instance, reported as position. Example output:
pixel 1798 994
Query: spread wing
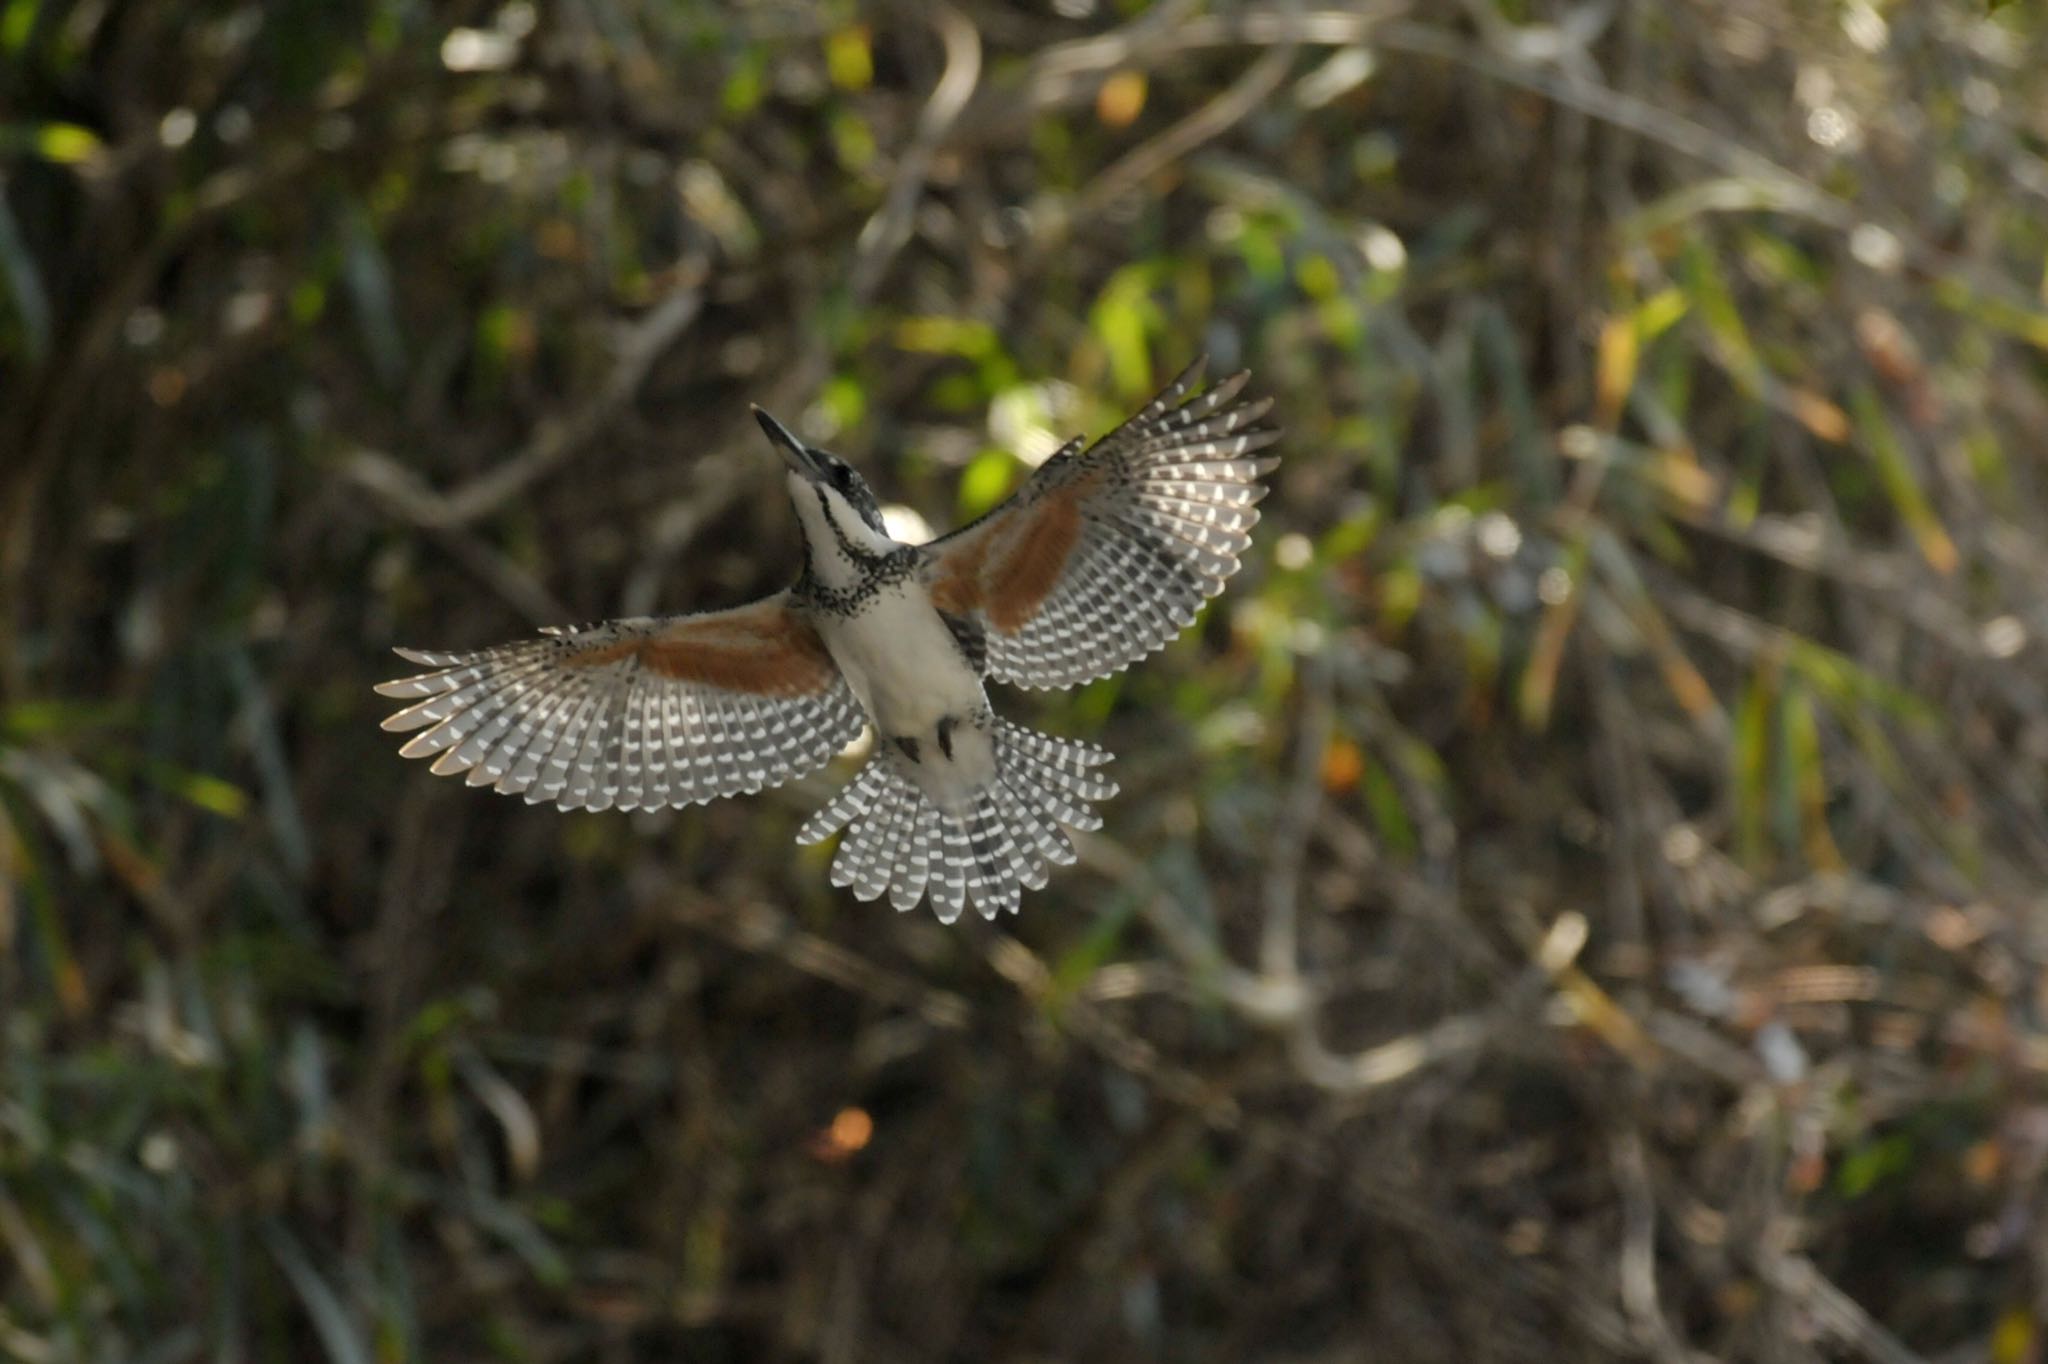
pixel 641 714
pixel 1105 555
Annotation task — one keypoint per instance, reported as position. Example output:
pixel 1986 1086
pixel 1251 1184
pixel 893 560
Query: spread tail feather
pixel 988 850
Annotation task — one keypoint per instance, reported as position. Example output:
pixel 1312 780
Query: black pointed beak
pixel 794 452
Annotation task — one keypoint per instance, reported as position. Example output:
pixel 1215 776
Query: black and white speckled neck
pixel 879 572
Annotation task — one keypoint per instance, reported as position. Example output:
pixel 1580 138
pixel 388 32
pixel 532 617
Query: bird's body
pixel 918 686
pixel 1101 558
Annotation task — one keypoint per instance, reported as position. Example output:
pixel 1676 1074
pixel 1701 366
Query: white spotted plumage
pixel 1165 533
pixel 1102 557
pixel 538 719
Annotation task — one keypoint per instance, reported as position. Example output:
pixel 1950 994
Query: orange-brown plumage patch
pixel 1009 570
pixel 957 589
pixel 763 649
pixel 1030 565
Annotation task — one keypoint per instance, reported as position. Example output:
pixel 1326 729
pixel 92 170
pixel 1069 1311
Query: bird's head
pixel 834 504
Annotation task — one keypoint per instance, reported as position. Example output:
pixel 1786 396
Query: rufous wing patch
pixel 1026 567
pixel 1017 560
pixel 957 588
pixel 764 649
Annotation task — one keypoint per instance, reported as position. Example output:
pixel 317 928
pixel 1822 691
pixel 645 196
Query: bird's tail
pixel 986 849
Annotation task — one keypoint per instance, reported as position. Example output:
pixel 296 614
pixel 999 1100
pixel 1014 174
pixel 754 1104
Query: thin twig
pixel 1638 1260
pixel 1279 939
pixel 1841 1315
pixel 1205 124
pixel 1068 72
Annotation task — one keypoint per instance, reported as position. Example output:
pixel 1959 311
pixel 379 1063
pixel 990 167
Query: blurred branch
pixel 1211 121
pixel 889 229
pixel 556 442
pixel 405 494
pixel 1286 1002
pixel 1523 65
pixel 1067 73
pixel 1528 66
pixel 1279 941
pixel 1835 1311
pixel 760 928
pixel 1638 1258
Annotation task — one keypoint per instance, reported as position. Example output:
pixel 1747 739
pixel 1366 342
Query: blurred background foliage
pixel 1580 895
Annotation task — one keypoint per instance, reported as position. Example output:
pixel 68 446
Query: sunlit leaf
pixel 1389 812
pixel 1714 305
pixel 1804 754
pixel 1997 313
pixel 1656 314
pixel 1901 482
pixel 849 59
pixel 1124 317
pixel 1863 1168
pixel 1615 371
pixel 2013 1340
pixel 747 84
pixel 1819 416
pixel 852 139
pixel 987 480
pixel 210 793
pixel 845 402
pixel 1752 765
pixel 930 335
pixel 66 143
pixel 17 21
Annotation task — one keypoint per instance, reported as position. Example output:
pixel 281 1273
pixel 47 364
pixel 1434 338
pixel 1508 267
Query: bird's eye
pixel 842 477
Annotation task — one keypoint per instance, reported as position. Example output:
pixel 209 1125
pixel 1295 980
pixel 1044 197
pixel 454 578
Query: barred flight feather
pixel 1147 525
pixel 631 714
pixel 1103 556
pixel 1002 841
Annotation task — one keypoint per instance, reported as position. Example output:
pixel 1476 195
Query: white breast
pixel 902 662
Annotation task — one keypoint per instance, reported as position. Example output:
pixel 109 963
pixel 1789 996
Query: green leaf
pixel 1715 306
pixel 17 21
pixel 747 85
pixel 1124 317
pixel 848 59
pixel 1752 765
pixel 66 143
pixel 1862 1169
pixel 1389 813
pixel 947 336
pixel 1901 480
pixel 1079 962
pixel 223 798
pixel 987 481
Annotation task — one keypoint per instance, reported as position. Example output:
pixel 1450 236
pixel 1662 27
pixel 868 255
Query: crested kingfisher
pixel 1103 556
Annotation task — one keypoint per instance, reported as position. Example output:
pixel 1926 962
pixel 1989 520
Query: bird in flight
pixel 1103 556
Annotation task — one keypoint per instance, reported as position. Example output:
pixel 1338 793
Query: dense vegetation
pixel 1580 895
